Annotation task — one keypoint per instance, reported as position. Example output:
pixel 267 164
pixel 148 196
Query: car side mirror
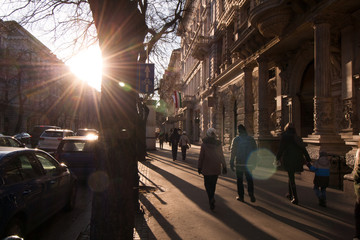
pixel 63 167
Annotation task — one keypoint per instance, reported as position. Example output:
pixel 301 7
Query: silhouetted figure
pixel 174 141
pixel 211 161
pixel 242 147
pixel 293 155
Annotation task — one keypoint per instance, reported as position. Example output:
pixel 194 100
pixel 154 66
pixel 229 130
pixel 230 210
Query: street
pixel 179 208
pixel 67 225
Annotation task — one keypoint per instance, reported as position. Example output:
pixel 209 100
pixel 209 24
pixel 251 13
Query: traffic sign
pixel 145 78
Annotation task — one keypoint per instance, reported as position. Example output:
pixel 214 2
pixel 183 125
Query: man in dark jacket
pixel 174 141
pixel 241 149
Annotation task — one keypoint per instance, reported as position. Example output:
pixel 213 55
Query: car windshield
pixel 77 146
pixel 52 134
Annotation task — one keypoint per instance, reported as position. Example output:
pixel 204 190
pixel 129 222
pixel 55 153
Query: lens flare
pixel 98 181
pixel 265 168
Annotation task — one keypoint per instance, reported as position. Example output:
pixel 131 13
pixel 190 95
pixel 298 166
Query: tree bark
pixel 121 32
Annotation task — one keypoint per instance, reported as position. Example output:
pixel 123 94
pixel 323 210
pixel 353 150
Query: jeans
pixel 174 148
pixel 250 183
pixel 183 151
pixel 210 185
pixel 320 192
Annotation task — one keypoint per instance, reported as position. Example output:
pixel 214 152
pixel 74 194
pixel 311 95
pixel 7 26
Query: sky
pixel 86 63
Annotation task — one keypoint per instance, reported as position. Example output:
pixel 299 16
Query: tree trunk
pixel 120 32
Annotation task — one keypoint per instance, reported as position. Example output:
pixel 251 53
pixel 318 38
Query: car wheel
pixel 15 227
pixel 72 198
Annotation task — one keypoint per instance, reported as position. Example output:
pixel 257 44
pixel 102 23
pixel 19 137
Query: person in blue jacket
pixel 321 167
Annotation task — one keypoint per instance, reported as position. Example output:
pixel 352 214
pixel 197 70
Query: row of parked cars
pixel 35 183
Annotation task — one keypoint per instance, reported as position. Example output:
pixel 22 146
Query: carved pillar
pixel 261 128
pixel 248 101
pixel 323 106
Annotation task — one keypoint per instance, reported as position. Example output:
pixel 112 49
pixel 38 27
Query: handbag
pixel 187 146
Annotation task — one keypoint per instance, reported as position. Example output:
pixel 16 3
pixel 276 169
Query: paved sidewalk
pixel 175 205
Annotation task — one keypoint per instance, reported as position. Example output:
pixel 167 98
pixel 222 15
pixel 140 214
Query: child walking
pixel 321 167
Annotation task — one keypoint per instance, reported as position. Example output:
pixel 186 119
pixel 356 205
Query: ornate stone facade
pixel 272 62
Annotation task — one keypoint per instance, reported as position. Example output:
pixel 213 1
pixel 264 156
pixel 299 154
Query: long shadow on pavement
pixel 230 218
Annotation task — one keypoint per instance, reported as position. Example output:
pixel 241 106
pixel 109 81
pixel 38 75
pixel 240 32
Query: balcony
pixel 270 17
pixel 201 47
pixel 188 101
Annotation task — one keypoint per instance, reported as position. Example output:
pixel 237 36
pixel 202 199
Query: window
pixel 47 163
pixel 18 169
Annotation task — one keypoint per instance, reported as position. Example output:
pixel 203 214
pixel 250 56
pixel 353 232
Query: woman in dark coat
pixel 293 155
pixel 211 162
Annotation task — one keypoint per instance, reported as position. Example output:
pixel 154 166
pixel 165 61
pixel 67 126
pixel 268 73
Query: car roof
pixel 81 138
pixel 6 150
pixel 58 130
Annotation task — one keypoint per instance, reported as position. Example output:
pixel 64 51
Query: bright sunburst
pixel 87 65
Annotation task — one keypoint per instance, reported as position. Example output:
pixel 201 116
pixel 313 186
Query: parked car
pixel 23 137
pixel 78 153
pixel 86 131
pixel 9 141
pixel 33 187
pixel 49 140
pixel 37 131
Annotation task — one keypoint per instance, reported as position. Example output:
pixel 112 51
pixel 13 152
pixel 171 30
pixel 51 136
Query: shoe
pixel 289 196
pixel 295 201
pixel 212 204
pixel 322 203
pixel 252 199
pixel 241 199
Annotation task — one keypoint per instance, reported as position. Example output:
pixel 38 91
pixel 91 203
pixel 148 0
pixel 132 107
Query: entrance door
pixel 306 97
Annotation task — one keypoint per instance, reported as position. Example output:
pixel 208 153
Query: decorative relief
pixel 323 118
pixel 348 111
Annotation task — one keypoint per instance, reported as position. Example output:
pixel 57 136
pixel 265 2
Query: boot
pixel 295 199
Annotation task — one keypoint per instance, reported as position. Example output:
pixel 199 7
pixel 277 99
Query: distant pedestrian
pixel 293 155
pixel 184 144
pixel 166 137
pixel 242 147
pixel 321 167
pixel 174 141
pixel 357 193
pixel 161 139
pixel 211 162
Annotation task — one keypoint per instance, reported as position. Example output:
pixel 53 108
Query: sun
pixel 87 65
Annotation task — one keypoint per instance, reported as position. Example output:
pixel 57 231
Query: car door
pixel 20 189
pixel 56 180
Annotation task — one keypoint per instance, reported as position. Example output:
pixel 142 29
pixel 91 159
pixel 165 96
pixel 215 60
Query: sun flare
pixel 87 65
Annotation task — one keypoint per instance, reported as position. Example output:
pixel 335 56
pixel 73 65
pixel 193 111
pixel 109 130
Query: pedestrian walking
pixel 184 144
pixel 242 147
pixel 321 167
pixel 174 141
pixel 211 163
pixel 161 139
pixel 357 193
pixel 293 155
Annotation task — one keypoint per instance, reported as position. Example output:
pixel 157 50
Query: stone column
pixel 323 106
pixel 248 100
pixel 261 128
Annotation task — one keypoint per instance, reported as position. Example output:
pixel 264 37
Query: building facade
pixel 36 87
pixel 264 63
